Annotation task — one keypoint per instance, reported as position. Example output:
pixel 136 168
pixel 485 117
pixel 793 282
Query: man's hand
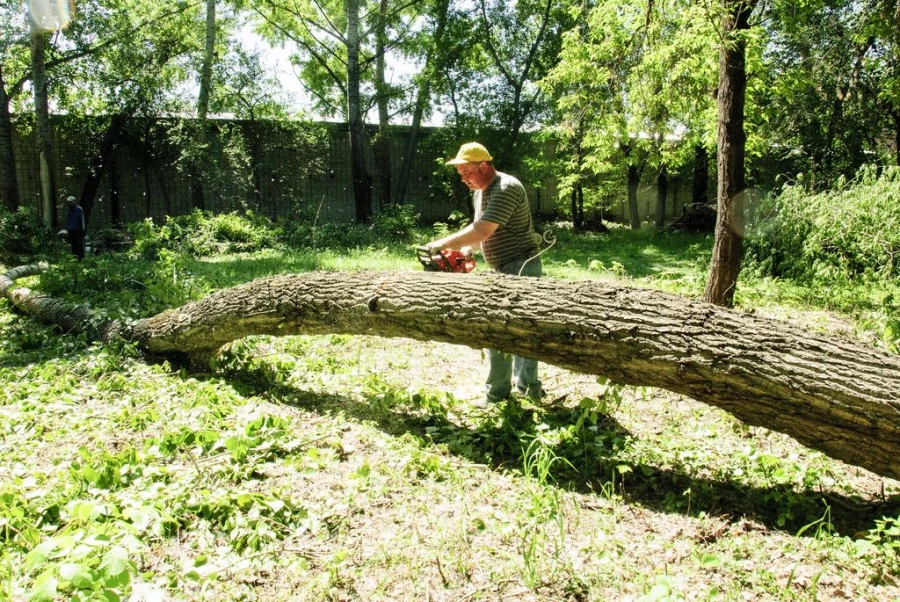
pixel 471 235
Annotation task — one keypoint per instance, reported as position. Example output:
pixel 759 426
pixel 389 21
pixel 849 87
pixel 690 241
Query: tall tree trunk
pixel 521 107
pixel 423 92
pixel 198 179
pixel 44 129
pixel 383 140
pixel 115 200
pixel 362 182
pixel 897 128
pixel 145 161
pixel 255 137
pixel 634 180
pixel 673 184
pixel 700 189
pixel 9 183
pixel 831 394
pixel 101 160
pixel 662 191
pixel 728 248
pixel 577 201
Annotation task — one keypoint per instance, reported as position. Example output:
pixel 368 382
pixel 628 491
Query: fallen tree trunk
pixel 838 396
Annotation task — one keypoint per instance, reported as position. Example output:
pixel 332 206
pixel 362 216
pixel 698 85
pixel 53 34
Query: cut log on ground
pixel 834 395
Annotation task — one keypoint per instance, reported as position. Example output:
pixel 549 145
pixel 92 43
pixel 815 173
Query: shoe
pixel 486 402
pixel 481 404
pixel 529 393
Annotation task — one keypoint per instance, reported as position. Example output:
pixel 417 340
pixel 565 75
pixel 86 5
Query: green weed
pixel 882 545
pixel 306 464
pixel 850 231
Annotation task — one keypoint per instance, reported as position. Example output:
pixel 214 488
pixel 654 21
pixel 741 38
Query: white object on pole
pixel 51 15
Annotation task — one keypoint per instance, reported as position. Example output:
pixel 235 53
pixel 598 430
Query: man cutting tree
pixel 504 229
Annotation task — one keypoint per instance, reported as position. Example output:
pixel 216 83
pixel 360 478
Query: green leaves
pixel 115 566
pixel 82 564
pixel 45 587
pixel 77 575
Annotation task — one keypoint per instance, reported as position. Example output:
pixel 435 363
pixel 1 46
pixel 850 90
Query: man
pixel 504 229
pixel 75 227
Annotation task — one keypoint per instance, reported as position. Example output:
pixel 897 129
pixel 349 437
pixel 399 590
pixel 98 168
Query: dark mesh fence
pixel 279 169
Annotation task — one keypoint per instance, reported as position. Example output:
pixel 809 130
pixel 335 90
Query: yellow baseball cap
pixel 471 152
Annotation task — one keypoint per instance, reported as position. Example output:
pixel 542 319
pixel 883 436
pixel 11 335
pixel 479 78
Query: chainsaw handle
pixel 446 260
pixel 432 259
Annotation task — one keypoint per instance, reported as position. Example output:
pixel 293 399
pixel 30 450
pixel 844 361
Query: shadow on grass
pixel 636 254
pixel 235 269
pixel 231 270
pixel 591 462
pixel 25 342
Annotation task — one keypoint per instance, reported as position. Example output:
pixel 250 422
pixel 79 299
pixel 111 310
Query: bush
pixel 22 236
pixel 850 232
pixel 308 234
pixel 396 223
pixel 202 234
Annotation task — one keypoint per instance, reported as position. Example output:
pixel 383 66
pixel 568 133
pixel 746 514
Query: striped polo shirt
pixel 505 203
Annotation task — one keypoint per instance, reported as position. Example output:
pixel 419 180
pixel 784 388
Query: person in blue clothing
pixel 504 228
pixel 75 227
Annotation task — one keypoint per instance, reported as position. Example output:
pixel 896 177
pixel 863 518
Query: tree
pixel 250 92
pixel 382 94
pixel 641 73
pixel 337 51
pixel 110 61
pixel 11 28
pixel 206 74
pixel 9 188
pixel 23 52
pixel 834 395
pixel 521 40
pixel 124 64
pixel 434 55
pixel 589 97
pixel 42 125
pixel 362 181
pixel 728 247
pixel 829 85
pixel 662 189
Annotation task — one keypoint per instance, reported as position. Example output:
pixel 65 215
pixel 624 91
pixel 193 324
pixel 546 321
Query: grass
pixel 356 468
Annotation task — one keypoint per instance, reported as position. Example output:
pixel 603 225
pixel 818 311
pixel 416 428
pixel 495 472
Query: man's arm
pixel 473 234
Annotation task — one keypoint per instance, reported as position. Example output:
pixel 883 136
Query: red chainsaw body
pixel 446 260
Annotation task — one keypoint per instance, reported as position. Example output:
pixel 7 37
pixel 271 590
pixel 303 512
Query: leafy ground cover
pixel 358 468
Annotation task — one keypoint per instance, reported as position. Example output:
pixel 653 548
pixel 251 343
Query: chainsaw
pixel 446 260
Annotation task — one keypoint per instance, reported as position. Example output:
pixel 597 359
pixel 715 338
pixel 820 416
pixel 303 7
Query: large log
pixel 835 395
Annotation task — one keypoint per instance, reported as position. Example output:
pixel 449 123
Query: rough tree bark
pixel 662 190
pixel 382 144
pixel 103 160
pixel 728 248
pixel 423 93
pixel 9 187
pixel 700 186
pixel 634 180
pixel 362 181
pixel 198 179
pixel 43 128
pixel 834 395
